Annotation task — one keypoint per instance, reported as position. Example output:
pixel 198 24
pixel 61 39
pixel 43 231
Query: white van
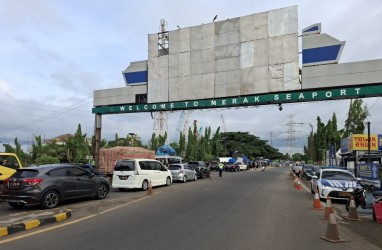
pixel 137 173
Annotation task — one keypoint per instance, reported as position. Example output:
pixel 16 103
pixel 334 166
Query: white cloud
pixel 5 90
pixel 56 53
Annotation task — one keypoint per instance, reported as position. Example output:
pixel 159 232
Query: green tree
pixel 355 123
pixel 77 147
pixel 216 144
pixel 47 160
pixel 182 145
pixel 154 142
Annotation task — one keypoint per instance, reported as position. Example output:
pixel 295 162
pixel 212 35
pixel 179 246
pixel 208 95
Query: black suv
pixel 201 169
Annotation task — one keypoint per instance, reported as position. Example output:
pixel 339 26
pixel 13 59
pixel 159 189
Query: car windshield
pixel 124 166
pixel 337 175
pixel 174 167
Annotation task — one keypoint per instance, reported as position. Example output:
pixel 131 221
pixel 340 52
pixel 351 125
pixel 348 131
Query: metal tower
pixel 160 123
pixel 291 131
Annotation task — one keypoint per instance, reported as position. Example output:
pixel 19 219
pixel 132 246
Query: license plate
pixel 14 184
pixel 123 177
pixel 344 194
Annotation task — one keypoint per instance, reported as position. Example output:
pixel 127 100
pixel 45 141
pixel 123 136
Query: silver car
pixel 182 172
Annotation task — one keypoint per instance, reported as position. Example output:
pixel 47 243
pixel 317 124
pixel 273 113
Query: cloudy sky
pixel 55 53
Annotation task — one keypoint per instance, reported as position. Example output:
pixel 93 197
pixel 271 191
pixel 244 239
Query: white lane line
pixel 70 222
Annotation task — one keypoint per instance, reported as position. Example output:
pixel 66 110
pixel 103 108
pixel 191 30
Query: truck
pixel 9 162
pixel 109 156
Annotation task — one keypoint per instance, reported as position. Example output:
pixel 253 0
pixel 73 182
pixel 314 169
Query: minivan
pixel 138 173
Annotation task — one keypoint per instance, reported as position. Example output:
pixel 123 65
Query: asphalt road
pixel 245 210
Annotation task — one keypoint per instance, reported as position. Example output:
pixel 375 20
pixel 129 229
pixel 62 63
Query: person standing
pixel 221 166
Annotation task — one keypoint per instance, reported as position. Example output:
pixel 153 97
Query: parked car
pixel 48 185
pixel 231 167
pixel 214 166
pixel 335 182
pixel 308 170
pixel 242 166
pixel 182 172
pixel 137 173
pixel 201 168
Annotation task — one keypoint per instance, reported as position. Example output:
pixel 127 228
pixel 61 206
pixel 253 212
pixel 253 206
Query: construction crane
pixel 223 124
pixel 182 125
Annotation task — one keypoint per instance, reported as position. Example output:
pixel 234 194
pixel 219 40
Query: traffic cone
pixel 317 202
pixel 328 208
pixel 150 189
pixel 332 230
pixel 352 215
pixel 298 184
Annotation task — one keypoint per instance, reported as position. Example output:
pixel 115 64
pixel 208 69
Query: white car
pixel 335 182
pixel 242 166
pixel 182 172
pixel 138 173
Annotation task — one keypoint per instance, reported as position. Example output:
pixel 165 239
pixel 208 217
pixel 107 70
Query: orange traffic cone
pixel 352 215
pixel 332 230
pixel 150 189
pixel 317 202
pixel 328 208
pixel 298 184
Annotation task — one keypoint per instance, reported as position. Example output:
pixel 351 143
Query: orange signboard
pixel 359 142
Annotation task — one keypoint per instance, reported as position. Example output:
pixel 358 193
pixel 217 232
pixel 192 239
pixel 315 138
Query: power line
pixel 49 116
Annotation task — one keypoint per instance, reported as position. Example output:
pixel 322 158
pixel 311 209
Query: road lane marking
pixel 69 223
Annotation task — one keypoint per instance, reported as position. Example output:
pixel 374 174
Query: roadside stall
pixel 362 160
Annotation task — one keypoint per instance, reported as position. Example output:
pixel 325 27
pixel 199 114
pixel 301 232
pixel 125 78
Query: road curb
pixel 30 224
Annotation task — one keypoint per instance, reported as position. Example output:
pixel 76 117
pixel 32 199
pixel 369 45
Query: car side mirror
pixel 91 175
pixel 314 177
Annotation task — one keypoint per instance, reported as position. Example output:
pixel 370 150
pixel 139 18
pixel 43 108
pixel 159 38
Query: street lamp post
pixel 368 142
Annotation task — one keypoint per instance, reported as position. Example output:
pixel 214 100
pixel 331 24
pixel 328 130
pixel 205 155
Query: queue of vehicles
pixel 49 185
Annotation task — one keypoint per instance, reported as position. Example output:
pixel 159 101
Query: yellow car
pixel 9 162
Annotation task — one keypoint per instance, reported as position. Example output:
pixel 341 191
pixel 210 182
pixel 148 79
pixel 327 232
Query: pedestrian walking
pixel 221 166
pixel 297 170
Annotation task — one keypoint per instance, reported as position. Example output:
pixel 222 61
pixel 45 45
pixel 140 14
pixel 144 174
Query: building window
pixel 141 98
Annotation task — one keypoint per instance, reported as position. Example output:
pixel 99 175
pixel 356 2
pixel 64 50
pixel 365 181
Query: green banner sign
pixel 242 101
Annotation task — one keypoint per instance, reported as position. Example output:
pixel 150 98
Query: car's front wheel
pixel 16 204
pixel 51 199
pixel 168 181
pixel 102 191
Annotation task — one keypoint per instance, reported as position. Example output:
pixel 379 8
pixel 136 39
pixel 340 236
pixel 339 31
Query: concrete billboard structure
pixel 244 61
pixel 240 56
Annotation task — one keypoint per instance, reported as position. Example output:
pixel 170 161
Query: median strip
pixel 26 225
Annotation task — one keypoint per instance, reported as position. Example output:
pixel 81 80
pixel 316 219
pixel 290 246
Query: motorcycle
pixel 359 194
pixel 359 198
